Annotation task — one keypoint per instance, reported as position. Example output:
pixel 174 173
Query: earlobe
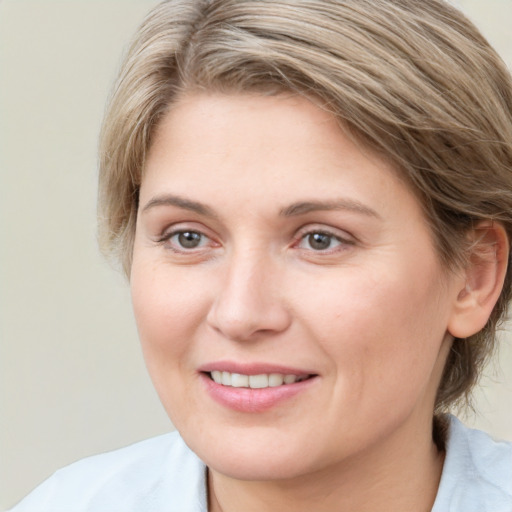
pixel 484 276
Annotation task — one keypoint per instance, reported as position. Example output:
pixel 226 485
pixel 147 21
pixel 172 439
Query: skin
pixel 369 315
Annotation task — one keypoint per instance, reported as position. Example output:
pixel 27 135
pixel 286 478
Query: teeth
pixel 239 381
pixel 275 379
pixel 261 381
pixel 258 381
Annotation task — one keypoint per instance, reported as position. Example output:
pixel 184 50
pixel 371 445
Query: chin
pixel 265 467
pixel 255 456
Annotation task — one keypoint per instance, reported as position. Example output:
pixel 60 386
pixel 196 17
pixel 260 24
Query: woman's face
pixel 273 253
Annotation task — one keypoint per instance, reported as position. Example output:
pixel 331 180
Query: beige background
pixel 72 380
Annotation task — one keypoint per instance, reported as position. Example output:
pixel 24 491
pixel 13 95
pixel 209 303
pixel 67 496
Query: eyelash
pixel 167 239
pixel 341 243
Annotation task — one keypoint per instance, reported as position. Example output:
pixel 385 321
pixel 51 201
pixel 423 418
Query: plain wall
pixel 72 379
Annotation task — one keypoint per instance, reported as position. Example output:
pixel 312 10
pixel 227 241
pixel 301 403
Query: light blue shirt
pixel 163 475
pixel 477 473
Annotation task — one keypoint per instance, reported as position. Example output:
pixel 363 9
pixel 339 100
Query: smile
pixel 261 381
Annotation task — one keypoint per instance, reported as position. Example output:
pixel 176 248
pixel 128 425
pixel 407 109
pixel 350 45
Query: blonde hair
pixel 413 79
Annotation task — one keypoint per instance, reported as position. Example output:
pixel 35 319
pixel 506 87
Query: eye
pixel 184 240
pixel 188 239
pixel 322 241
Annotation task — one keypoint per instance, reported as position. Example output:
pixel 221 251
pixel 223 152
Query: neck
pixel 397 476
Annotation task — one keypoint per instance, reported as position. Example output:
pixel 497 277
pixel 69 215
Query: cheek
pixel 167 311
pixel 380 330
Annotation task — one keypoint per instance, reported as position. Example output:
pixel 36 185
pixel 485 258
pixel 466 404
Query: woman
pixel 313 203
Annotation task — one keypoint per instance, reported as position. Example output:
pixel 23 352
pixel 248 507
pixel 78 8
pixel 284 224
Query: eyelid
pixel 343 239
pixel 182 227
pixel 339 234
pixel 169 233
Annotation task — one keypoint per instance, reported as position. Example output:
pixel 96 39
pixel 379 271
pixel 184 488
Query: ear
pixel 484 277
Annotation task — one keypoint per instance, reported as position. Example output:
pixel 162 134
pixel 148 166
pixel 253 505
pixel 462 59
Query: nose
pixel 250 301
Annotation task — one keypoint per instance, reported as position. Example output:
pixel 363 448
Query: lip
pixel 253 368
pixel 250 400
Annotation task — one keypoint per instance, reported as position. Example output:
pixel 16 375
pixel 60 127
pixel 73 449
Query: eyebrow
pixel 303 207
pixel 295 209
pixel 180 202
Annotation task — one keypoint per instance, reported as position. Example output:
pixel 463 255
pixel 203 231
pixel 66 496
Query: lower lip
pixel 254 400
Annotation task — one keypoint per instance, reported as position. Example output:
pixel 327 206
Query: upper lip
pixel 256 368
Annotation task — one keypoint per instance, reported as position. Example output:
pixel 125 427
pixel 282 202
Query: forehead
pixel 246 159
pixel 268 139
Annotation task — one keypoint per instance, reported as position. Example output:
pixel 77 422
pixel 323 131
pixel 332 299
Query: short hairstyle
pixel 413 80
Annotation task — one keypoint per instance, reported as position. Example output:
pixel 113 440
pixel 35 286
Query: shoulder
pixel 477 473
pixel 158 474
